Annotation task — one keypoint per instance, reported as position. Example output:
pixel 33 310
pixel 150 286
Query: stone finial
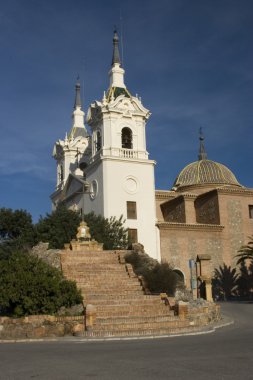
pixel 104 101
pixel 83 232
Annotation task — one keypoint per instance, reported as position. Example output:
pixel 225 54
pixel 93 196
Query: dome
pixel 205 172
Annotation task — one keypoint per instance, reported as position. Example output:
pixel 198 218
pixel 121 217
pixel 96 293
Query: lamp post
pixel 192 265
pixel 85 186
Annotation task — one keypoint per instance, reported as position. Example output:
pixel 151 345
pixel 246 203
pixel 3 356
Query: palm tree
pixel 245 252
pixel 225 282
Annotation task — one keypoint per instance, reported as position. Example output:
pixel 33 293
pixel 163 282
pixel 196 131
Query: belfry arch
pixel 126 138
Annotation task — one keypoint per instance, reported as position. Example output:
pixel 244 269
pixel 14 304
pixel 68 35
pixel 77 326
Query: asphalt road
pixel 226 354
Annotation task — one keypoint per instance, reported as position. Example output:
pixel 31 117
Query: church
pixel 107 170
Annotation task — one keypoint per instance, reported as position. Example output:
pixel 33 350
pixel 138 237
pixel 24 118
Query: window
pixel 99 141
pixel 60 173
pixel 132 235
pixel 131 210
pixel 251 211
pixel 126 138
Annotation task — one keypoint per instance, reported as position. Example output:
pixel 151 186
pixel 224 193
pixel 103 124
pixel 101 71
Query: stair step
pixel 122 308
pixel 136 319
pixel 108 287
pixel 145 332
pixel 146 325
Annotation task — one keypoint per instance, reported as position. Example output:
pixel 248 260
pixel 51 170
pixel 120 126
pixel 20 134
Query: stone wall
pixel 189 317
pixel 40 326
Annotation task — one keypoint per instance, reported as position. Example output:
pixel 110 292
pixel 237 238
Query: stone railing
pixel 128 153
pixel 121 153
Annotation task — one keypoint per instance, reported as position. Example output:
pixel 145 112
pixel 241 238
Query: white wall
pixel 120 177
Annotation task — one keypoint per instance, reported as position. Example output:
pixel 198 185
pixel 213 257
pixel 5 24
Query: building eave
pixel 190 227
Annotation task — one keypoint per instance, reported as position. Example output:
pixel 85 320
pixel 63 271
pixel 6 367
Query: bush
pixel 30 286
pixel 160 277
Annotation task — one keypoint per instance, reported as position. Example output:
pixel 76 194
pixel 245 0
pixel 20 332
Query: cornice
pixel 232 191
pixel 127 160
pixel 190 227
pixel 164 194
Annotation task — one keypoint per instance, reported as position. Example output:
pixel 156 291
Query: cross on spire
pixel 202 153
pixel 78 102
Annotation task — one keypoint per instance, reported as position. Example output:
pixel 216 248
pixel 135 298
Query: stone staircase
pixel 122 308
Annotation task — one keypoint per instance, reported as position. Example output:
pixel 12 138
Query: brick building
pixel 206 212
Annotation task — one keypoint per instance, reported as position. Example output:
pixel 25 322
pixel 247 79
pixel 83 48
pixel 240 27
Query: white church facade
pixel 108 171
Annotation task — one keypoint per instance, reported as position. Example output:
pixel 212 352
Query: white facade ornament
pixel 104 101
pixel 116 75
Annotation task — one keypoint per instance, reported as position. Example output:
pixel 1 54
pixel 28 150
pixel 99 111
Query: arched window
pixel 99 141
pixel 126 138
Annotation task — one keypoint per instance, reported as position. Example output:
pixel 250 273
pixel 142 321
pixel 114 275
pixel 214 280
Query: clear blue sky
pixel 190 61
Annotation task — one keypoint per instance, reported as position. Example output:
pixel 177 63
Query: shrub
pixel 30 286
pixel 160 277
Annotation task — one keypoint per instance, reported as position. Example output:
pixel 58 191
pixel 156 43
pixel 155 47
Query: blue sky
pixel 190 61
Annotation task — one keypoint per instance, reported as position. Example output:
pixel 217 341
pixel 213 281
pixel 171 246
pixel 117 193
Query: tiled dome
pixel 205 172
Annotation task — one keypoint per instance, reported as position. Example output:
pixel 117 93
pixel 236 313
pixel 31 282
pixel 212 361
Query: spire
pixel 115 55
pixel 202 153
pixel 116 73
pixel 78 128
pixel 78 96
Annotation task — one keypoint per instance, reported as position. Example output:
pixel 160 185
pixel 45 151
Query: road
pixel 226 354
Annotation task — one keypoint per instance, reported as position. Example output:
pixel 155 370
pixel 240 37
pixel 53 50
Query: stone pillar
pixel 90 316
pixel 208 283
pixel 182 309
pixel 190 213
pixel 204 276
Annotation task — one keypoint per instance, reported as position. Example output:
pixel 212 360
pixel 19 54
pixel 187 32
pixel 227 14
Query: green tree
pixel 59 227
pixel 16 231
pixel 111 232
pixel 30 286
pixel 225 281
pixel 245 252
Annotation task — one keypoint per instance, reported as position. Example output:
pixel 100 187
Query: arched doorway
pixel 180 276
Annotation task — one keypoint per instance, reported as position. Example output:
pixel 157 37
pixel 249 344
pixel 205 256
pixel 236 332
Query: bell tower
pixel 120 173
pixel 71 150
